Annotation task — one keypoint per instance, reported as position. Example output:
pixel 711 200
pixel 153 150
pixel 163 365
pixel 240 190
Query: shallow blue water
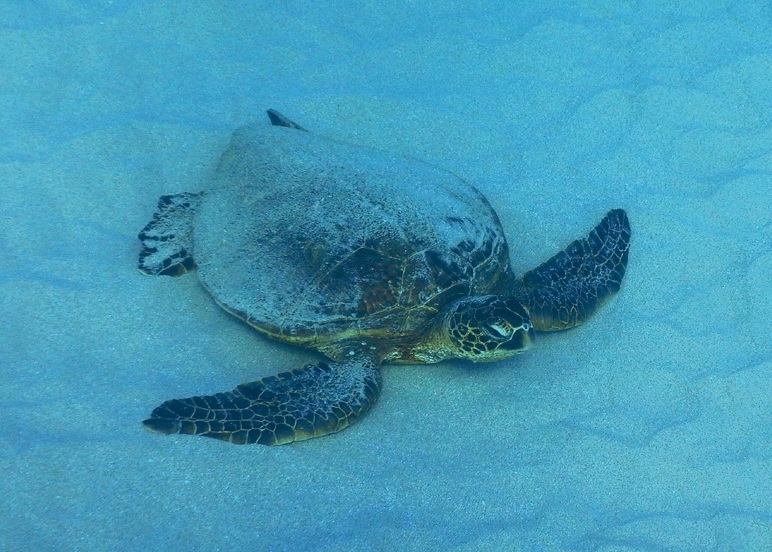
pixel 649 428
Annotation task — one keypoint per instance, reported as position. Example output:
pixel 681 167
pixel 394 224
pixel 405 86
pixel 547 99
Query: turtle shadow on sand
pixel 368 258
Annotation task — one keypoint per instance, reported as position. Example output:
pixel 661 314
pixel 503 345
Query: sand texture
pixel 647 429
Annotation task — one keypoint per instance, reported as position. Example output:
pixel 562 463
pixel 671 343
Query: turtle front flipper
pixel 293 406
pixel 564 291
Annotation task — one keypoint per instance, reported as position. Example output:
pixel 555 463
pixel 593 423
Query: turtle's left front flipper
pixel 564 291
pixel 307 402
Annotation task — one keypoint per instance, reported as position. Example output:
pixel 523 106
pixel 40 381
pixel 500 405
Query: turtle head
pixel 486 328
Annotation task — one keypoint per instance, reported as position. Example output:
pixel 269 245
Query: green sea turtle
pixel 366 257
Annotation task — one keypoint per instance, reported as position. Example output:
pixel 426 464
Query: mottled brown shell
pixel 314 241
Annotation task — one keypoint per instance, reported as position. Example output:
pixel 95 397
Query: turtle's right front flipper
pixel 307 402
pixel 564 291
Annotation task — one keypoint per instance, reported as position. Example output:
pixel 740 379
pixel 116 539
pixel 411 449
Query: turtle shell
pixel 312 241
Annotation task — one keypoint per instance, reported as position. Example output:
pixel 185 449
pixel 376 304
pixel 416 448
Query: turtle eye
pixel 499 329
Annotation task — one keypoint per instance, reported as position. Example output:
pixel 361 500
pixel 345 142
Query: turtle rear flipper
pixel 277 119
pixel 307 402
pixel 167 239
pixel 564 291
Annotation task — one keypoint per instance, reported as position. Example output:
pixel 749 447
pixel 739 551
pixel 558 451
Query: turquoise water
pixel 649 428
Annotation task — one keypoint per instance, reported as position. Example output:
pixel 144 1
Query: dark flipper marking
pixel 277 119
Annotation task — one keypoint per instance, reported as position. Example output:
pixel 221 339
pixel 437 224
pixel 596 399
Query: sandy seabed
pixel 649 428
